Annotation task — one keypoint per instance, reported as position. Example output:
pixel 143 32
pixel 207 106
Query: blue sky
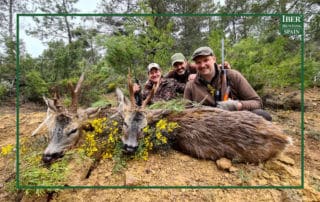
pixel 33 45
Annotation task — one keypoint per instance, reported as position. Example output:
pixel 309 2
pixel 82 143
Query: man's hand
pixel 226 65
pixel 136 87
pixel 192 77
pixel 230 105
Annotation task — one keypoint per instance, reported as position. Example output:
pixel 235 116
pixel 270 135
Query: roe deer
pixel 64 125
pixel 207 132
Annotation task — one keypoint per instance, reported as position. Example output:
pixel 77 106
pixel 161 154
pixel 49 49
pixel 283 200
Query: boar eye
pixel 72 131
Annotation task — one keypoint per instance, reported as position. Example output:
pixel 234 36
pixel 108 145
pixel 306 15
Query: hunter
pixel 182 71
pixel 165 88
pixel 206 88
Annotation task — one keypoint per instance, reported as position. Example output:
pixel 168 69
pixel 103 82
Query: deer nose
pixel 48 158
pixel 130 149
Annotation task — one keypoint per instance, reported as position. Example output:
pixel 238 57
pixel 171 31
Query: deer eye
pixel 72 131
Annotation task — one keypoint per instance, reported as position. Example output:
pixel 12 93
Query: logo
pixel 291 24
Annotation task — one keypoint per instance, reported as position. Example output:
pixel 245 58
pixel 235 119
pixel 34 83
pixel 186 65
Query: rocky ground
pixel 176 169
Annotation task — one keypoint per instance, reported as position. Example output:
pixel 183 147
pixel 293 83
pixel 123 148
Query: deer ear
pixel 122 101
pixel 156 115
pixel 50 104
pixel 92 111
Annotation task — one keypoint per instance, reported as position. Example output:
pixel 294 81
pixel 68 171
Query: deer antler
pixel 131 93
pixel 55 103
pixel 150 96
pixel 75 92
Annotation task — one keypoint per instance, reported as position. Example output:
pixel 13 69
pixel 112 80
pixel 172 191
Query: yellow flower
pixel 145 155
pixel 158 135
pixel 172 126
pixel 7 149
pixel 107 155
pixel 111 139
pixel 161 124
pixel 164 140
pixel 146 129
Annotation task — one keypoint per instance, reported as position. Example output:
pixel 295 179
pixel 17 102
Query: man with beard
pixel 182 70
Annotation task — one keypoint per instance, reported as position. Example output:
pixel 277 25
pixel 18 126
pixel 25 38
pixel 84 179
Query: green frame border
pixel 18 186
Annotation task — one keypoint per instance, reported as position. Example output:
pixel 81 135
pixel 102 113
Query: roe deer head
pixel 64 125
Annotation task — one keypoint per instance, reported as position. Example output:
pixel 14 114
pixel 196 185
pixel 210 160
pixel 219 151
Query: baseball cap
pixel 153 65
pixel 177 57
pixel 205 50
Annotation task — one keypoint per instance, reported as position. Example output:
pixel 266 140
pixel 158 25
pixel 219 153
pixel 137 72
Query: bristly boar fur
pixel 212 133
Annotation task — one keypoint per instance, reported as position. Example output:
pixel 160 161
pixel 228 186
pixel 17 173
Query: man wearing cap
pixel 182 70
pixel 167 88
pixel 206 87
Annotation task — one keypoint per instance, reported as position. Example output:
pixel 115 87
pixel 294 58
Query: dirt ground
pixel 173 169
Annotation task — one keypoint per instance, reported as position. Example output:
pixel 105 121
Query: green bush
pixel 3 91
pixel 100 103
pixel 268 63
pixel 36 86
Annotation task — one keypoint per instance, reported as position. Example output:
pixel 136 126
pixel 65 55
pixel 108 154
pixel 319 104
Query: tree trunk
pixel 67 22
pixel 11 2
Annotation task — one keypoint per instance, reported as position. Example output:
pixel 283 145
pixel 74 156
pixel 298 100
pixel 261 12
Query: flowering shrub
pixel 155 137
pixel 105 139
pixel 32 172
pixel 6 150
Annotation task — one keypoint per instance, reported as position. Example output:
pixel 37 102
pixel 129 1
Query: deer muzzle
pixel 49 158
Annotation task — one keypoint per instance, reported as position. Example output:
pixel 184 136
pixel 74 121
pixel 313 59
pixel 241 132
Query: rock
pixel 224 164
pixel 130 180
pixel 287 101
pixel 292 101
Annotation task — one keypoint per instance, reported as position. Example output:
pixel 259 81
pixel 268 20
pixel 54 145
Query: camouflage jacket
pixel 167 90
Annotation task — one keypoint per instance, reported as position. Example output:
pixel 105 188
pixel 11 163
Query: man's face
pixel 205 65
pixel 154 75
pixel 180 67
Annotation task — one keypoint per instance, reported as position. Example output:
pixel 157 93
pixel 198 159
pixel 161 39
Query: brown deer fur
pixel 212 133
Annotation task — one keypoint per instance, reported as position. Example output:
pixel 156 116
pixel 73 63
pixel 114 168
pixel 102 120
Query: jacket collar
pixel 200 80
